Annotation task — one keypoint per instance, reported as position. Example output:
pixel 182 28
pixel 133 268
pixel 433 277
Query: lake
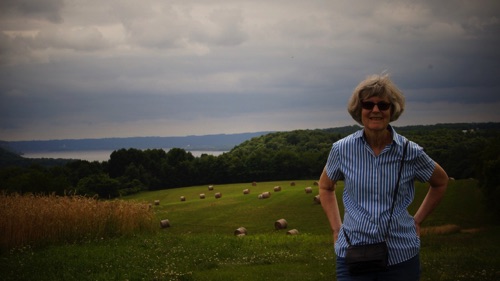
pixel 97 155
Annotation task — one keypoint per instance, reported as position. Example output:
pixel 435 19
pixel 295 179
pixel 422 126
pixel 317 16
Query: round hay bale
pixel 183 198
pixel 315 183
pixel 202 195
pixel 292 232
pixel 280 224
pixel 241 231
pixel 266 195
pixel 246 191
pixel 316 199
pixel 157 202
pixel 308 189
pixel 164 223
pixel 292 183
pixel 210 187
pixel 277 188
pixel 218 195
pixel 254 183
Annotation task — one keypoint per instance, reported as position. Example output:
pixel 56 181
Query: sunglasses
pixel 369 105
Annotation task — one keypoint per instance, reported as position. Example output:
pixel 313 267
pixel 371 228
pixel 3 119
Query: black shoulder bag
pixel 361 259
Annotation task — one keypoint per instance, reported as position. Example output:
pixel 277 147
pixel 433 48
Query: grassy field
pixel 460 243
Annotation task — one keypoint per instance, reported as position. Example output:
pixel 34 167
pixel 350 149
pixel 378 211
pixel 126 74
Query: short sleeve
pixel 333 170
pixel 424 165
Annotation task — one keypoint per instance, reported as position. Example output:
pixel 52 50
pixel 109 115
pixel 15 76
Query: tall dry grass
pixel 36 219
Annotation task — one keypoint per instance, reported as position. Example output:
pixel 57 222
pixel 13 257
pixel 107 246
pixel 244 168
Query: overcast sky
pixel 122 68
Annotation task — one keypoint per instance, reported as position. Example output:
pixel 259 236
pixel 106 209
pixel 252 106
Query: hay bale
pixel 183 198
pixel 210 187
pixel 218 195
pixel 308 189
pixel 202 195
pixel 277 188
pixel 315 183
pixel 254 183
pixel 241 231
pixel 266 195
pixel 292 183
pixel 280 224
pixel 316 199
pixel 164 223
pixel 292 232
pixel 246 191
pixel 157 202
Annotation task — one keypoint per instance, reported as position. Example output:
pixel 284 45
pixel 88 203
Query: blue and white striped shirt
pixel 369 182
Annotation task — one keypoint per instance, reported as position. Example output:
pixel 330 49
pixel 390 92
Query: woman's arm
pixel 438 184
pixel 329 203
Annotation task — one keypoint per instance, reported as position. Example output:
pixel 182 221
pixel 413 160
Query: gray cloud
pixel 118 68
pixel 49 10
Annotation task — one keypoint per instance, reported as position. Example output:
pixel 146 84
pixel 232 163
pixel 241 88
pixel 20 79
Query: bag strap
pixel 393 198
pixel 396 191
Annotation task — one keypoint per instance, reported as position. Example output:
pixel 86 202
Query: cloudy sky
pixel 120 68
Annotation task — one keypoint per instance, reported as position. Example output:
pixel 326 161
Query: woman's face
pixel 375 113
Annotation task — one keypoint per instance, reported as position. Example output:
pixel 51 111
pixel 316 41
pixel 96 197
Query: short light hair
pixel 376 86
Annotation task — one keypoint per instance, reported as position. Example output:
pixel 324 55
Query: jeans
pixel 406 271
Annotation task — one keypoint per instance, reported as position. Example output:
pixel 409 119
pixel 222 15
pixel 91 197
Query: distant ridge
pixel 217 142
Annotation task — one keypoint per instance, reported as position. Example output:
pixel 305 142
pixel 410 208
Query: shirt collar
pixel 396 138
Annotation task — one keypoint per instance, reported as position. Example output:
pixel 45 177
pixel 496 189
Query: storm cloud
pixel 89 69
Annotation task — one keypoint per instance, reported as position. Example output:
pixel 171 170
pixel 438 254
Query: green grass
pixel 235 209
pixel 200 244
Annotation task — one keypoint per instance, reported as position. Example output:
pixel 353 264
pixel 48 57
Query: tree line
pixel 464 150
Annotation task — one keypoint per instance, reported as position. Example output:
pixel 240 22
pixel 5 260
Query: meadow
pixel 459 242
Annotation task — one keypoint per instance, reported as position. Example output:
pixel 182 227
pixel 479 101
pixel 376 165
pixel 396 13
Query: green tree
pixel 120 159
pixel 99 184
pixel 489 176
pixel 80 169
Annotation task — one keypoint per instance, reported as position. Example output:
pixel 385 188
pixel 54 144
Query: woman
pixel 368 161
